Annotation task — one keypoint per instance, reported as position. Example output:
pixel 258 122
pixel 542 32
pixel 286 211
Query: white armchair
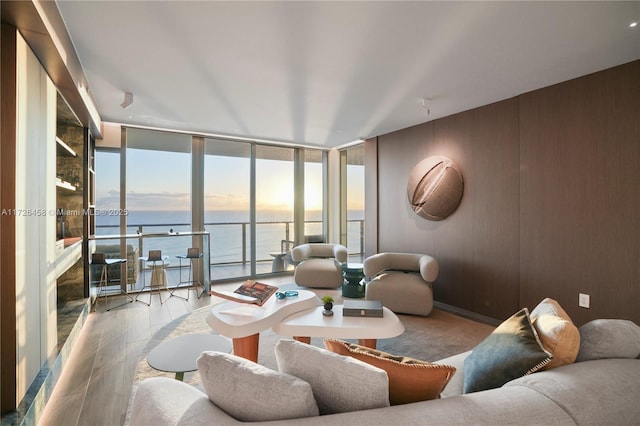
pixel 319 264
pixel 402 281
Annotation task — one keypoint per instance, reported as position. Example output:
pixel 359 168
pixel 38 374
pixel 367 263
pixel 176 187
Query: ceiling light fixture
pixel 633 24
pixel 426 104
pixel 128 100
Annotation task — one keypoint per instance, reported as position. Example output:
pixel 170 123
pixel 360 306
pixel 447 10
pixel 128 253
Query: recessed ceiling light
pixel 633 24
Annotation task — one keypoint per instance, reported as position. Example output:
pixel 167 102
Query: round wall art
pixel 435 188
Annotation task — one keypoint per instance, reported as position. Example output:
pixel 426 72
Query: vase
pixel 328 309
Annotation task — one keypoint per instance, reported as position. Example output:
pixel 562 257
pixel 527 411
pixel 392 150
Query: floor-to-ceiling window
pixel 314 193
pixel 107 187
pixel 250 194
pixel 227 202
pixel 353 200
pixel 274 198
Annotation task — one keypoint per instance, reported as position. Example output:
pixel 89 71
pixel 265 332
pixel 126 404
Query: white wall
pixel 36 318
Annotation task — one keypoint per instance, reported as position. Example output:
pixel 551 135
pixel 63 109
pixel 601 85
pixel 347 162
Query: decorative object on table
pixel 281 295
pixel 328 306
pixel 353 285
pixel 362 308
pixel 435 188
pixel 249 292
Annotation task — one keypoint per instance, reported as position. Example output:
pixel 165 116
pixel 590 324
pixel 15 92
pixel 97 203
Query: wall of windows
pixel 250 194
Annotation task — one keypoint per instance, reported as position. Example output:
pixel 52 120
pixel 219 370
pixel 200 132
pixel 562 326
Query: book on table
pixel 362 308
pixel 249 292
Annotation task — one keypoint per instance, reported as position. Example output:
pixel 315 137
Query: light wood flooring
pixel 95 386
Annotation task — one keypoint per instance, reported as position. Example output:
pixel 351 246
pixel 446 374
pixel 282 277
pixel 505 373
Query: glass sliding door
pixel 314 190
pixel 158 196
pixel 353 185
pixel 107 187
pixel 274 197
pixel 227 203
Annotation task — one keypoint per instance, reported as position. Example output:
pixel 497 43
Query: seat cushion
pixel 319 273
pixel 402 292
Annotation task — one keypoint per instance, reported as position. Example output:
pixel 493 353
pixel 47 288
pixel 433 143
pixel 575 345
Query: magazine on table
pixel 249 292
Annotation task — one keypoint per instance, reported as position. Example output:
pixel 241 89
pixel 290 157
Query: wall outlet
pixel 584 300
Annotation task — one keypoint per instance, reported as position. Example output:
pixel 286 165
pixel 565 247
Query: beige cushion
pixel 251 392
pixel 339 383
pixel 410 380
pixel 557 332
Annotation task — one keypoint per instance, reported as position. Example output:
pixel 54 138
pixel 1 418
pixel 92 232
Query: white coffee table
pixel 243 322
pixel 311 323
pixel 180 354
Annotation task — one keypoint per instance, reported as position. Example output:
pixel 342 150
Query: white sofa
pixel 601 388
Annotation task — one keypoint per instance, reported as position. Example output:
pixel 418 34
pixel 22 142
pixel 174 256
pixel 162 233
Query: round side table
pixel 353 284
pixel 180 354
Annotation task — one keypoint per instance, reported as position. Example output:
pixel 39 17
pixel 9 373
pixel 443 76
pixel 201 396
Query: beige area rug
pixel 431 338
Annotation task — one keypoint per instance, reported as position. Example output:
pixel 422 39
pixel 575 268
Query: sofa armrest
pixel 163 401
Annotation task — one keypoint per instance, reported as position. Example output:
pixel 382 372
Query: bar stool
pixel 100 259
pixel 193 254
pixel 158 279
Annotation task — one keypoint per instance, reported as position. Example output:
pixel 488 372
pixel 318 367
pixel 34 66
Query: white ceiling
pixel 328 73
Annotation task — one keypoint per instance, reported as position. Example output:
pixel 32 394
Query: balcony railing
pixel 230 241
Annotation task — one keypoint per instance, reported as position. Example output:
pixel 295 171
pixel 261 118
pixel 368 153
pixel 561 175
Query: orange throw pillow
pixel 410 380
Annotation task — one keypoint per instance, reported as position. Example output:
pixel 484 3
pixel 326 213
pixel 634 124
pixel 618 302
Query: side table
pixel 353 286
pixel 179 355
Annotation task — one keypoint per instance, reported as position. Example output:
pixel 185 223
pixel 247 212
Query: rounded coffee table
pixel 180 354
pixel 311 323
pixel 243 322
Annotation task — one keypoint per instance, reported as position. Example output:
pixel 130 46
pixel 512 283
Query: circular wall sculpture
pixel 435 188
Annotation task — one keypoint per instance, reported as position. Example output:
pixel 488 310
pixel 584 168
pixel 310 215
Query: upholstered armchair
pixel 319 264
pixel 402 281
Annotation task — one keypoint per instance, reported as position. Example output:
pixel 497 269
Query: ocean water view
pixel 229 232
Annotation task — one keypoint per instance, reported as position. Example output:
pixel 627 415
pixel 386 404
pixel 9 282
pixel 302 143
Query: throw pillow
pixel 557 332
pixel 339 383
pixel 250 392
pixel 512 350
pixel 609 338
pixel 410 380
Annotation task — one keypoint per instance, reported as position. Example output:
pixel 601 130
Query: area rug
pixel 431 338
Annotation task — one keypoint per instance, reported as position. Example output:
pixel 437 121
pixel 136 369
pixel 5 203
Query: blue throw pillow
pixel 511 351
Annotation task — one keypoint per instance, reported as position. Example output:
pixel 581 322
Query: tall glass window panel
pixel 313 194
pixel 107 187
pixel 227 195
pixel 159 190
pixel 274 206
pixel 355 202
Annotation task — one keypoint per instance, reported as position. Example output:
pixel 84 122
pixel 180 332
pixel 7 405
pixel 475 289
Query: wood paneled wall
pixel 551 203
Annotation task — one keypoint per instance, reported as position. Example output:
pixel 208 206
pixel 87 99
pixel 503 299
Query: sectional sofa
pixel 597 383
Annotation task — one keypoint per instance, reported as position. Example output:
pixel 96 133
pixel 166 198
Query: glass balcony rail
pixel 230 240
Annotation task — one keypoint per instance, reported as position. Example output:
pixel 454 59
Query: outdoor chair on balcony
pixel 319 265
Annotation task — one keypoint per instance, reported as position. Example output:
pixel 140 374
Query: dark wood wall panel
pixel 551 205
pixel 8 40
pixel 477 246
pixel 580 194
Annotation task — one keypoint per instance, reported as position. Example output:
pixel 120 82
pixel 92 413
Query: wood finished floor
pixel 95 386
